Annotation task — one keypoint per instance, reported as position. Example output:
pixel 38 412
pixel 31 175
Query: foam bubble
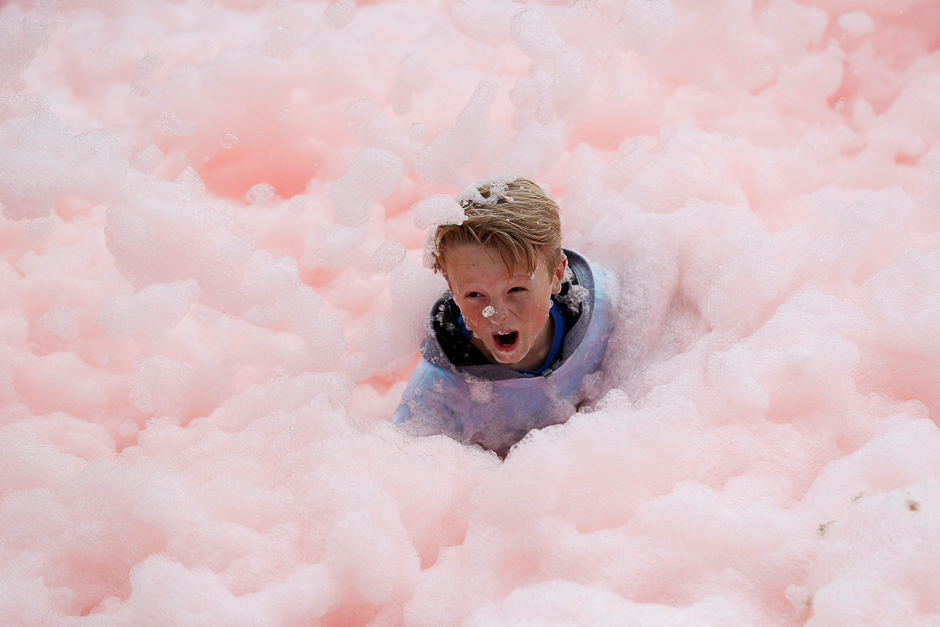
pixel 415 76
pixel 647 26
pixel 534 33
pixel 62 321
pixel 417 131
pixel 172 124
pixel 147 159
pixel 443 160
pixel 297 204
pixel 339 14
pixel 794 25
pixel 44 160
pixel 388 256
pixel 438 209
pixel 373 174
pixel 856 23
pixel 390 340
pixel 335 242
pixel 260 194
pixel 486 22
pixel 39 229
pixel 157 382
pixel 143 68
pixel 23 39
pixel 149 313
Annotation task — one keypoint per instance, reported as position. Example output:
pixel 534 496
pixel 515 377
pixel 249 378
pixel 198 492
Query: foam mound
pixel 212 294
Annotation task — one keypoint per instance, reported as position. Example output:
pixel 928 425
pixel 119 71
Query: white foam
pixel 793 24
pixel 54 162
pixel 373 175
pixel 157 384
pixel 388 256
pixel 339 14
pixel 335 242
pixel 62 321
pixel 856 23
pixel 647 26
pixel 23 38
pixel 149 313
pixel 438 209
pixel 39 229
pixel 172 124
pixel 415 76
pixel 143 68
pixel 443 160
pixel 535 34
pixel 297 204
pixel 260 194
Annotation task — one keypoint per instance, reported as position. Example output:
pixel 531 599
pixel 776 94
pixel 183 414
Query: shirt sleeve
pixel 426 406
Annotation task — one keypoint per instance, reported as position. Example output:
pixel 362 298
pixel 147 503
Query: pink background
pixel 212 293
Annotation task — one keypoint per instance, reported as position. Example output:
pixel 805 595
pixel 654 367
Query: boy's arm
pixel 424 408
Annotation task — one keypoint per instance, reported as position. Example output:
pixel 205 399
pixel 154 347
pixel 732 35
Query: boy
pixel 524 322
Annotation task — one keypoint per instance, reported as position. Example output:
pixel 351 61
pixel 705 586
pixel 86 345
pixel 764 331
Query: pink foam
pixel 212 295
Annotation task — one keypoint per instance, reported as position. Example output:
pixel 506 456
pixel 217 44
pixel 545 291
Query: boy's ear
pixel 558 277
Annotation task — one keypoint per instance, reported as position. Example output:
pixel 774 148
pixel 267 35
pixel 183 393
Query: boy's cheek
pixel 527 314
pixel 469 317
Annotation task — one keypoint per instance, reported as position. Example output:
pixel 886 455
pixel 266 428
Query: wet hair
pixel 517 219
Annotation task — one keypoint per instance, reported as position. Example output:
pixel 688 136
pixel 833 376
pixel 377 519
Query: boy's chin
pixel 504 360
pixel 509 358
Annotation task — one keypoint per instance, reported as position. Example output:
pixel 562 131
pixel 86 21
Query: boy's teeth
pixel 510 338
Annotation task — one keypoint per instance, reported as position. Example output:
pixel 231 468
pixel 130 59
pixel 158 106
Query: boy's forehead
pixel 471 261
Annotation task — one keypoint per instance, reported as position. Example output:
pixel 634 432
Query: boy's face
pixel 508 315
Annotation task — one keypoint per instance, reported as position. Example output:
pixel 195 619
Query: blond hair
pixel 518 219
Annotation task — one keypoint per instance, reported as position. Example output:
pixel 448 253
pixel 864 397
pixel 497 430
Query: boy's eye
pixel 473 295
pixel 518 289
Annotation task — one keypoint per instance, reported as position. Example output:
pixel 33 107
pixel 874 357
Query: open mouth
pixel 506 340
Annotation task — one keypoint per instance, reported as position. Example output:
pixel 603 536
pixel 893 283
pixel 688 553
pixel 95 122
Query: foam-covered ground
pixel 212 293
